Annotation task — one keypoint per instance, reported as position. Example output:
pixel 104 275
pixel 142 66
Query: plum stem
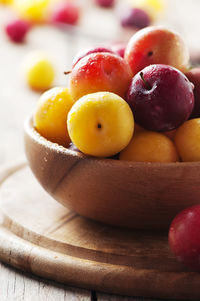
pixel 147 84
pixel 67 72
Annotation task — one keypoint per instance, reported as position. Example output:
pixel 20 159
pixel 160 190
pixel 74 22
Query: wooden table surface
pixel 17 101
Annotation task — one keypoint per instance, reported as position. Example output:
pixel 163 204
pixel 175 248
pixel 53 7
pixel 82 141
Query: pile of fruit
pixel 143 107
pixel 140 107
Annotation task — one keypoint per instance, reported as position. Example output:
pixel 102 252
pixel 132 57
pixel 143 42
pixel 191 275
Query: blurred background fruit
pixel 105 3
pixel 39 71
pixel 17 29
pixel 135 17
pixel 66 12
pixel 32 10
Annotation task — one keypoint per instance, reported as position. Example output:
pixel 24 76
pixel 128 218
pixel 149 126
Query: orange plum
pixel 149 146
pixel 156 45
pixel 100 72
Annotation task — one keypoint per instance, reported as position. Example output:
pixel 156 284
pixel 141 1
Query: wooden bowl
pixel 128 194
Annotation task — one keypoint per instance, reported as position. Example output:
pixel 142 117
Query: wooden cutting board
pixel 40 236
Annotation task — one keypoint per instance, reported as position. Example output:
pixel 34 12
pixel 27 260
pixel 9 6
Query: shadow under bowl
pixel 129 194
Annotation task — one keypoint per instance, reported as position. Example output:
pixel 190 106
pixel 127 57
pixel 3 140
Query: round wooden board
pixel 40 236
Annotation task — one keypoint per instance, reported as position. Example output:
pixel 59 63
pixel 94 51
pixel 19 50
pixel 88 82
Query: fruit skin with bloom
pixel 161 98
pixel 148 146
pixel 187 140
pixel 100 72
pixel 66 13
pixel 17 29
pixel 39 71
pixel 156 45
pixel 100 124
pixel 194 77
pixel 184 238
pixel 50 117
pixel 88 51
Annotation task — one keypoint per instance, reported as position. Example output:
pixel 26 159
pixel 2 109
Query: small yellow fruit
pixel 32 10
pixel 100 124
pixel 39 71
pixel 187 140
pixel 50 118
pixel 150 147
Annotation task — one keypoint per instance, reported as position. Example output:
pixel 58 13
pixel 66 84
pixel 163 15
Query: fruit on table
pixel 66 12
pixel 105 3
pixel 100 72
pixel 161 97
pixel 184 238
pixel 135 17
pixel 39 71
pixel 100 124
pixel 156 45
pixel 32 10
pixel 17 29
pixel 50 118
pixel 148 146
pixel 194 76
pixel 88 51
pixel 187 140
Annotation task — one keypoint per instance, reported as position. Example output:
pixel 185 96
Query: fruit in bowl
pixel 100 124
pixel 156 45
pixel 101 71
pixel 88 51
pixel 50 115
pixel 137 195
pixel 161 97
pixel 145 187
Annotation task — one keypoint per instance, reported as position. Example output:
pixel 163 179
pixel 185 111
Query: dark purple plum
pixel 88 51
pixel 105 3
pixel 135 17
pixel 161 97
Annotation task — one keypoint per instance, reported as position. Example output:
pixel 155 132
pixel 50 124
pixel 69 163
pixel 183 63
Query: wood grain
pixel 19 286
pixel 40 236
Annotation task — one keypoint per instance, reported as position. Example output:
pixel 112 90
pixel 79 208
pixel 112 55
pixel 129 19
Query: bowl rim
pixel 55 147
